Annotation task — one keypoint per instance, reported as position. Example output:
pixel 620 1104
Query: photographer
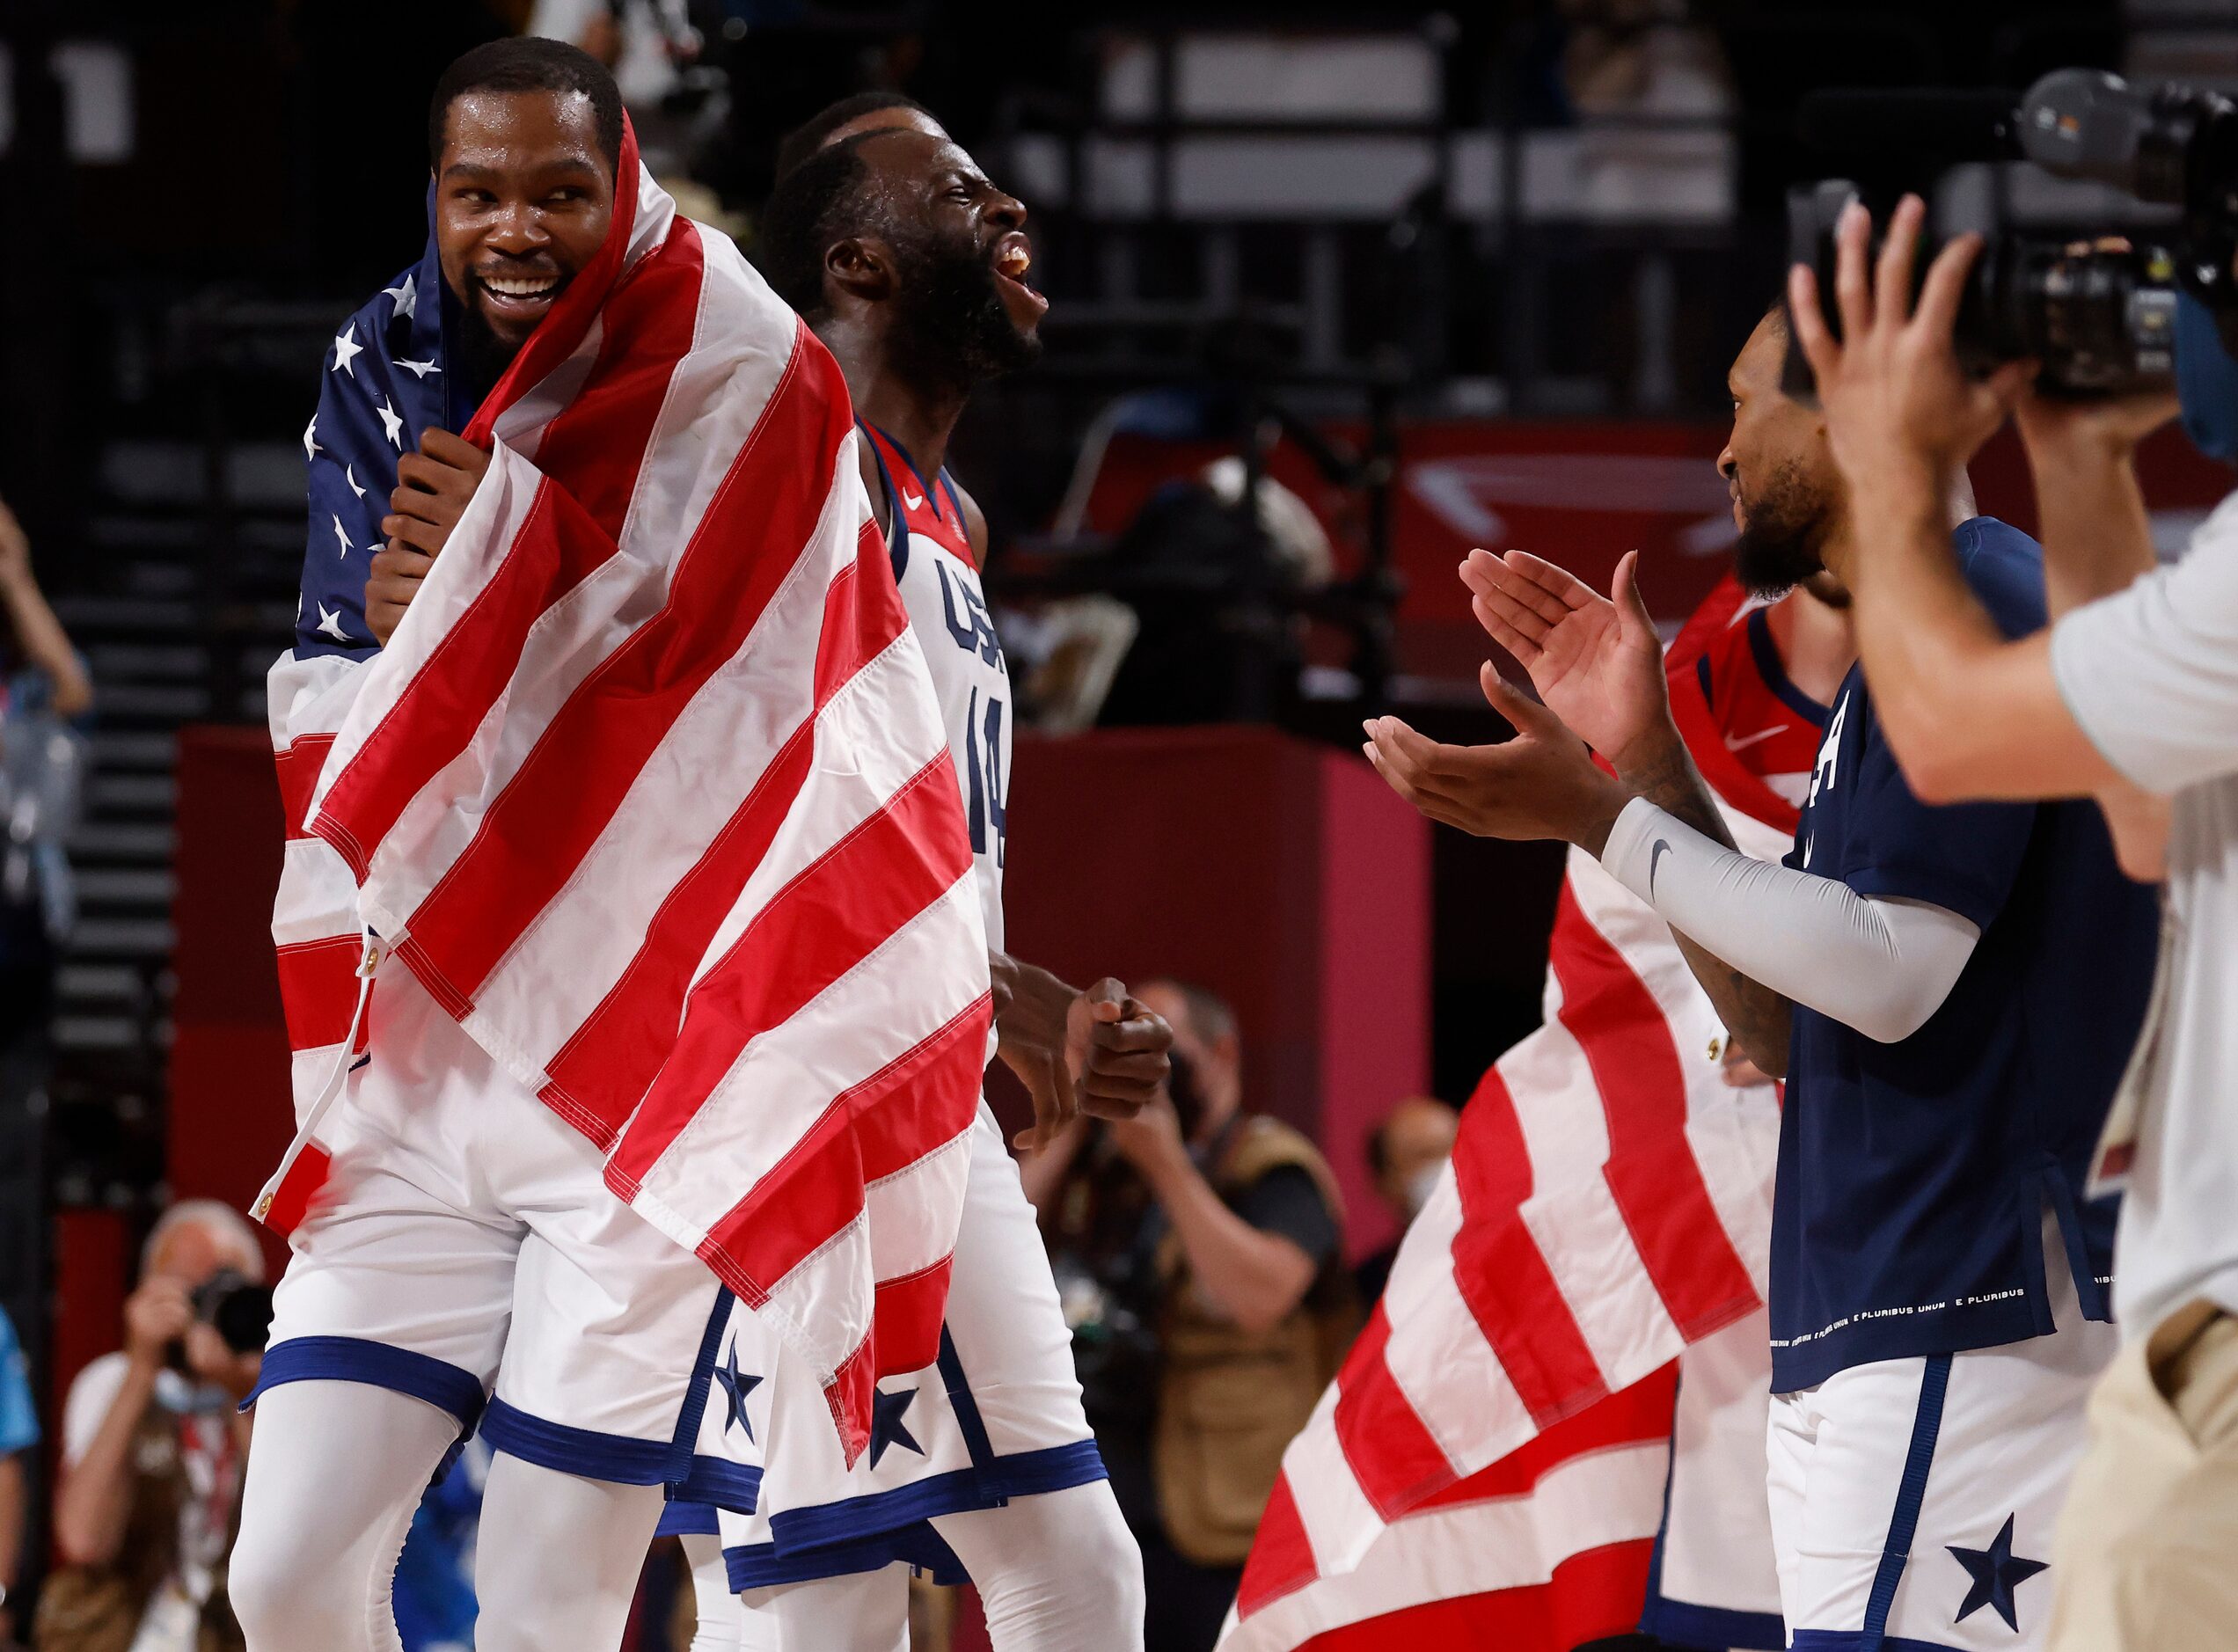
pixel 18 1433
pixel 1196 1247
pixel 152 1446
pixel 2124 698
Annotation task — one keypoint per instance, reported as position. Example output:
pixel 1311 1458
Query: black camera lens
pixel 236 1308
pixel 2100 315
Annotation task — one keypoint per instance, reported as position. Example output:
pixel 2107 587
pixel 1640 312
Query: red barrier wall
pixel 1284 876
pixel 230 1114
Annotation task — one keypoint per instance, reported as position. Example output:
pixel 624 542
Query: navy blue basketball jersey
pixel 1914 1177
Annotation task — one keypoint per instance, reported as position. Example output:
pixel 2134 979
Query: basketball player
pixel 467 1242
pixel 910 266
pixel 1951 994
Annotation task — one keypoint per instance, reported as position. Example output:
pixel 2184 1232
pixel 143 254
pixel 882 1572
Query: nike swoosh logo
pixel 913 501
pixel 1744 743
pixel 1655 858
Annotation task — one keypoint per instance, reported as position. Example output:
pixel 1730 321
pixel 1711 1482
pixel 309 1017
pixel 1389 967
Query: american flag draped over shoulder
pixel 1488 1468
pixel 649 788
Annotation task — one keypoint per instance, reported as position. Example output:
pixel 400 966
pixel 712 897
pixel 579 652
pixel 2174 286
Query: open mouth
pixel 519 297
pixel 1012 257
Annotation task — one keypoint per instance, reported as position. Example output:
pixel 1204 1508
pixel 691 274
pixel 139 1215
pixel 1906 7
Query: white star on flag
pixel 351 476
pixel 420 369
pixel 346 345
pixel 407 297
pixel 312 449
pixel 330 623
pixel 346 546
pixel 391 425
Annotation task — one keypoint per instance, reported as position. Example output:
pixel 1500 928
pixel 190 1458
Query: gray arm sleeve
pixel 1880 966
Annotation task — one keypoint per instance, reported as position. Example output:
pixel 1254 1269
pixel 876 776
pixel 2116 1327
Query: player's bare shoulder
pixel 974 520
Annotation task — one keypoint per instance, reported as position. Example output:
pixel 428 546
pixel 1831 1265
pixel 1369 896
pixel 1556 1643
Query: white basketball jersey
pixel 939 581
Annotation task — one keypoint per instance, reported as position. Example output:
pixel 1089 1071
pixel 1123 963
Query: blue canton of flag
pixel 387 378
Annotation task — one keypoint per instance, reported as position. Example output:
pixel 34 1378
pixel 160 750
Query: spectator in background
pixel 44 689
pixel 153 1443
pixel 1406 1152
pixel 18 1433
pixel 653 49
pixel 1197 1246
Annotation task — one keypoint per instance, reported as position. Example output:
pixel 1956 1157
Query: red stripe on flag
pixel 922 1099
pixel 1281 1559
pixel 844 906
pixel 1503 1276
pixel 604 1068
pixel 442 707
pixel 1630 1416
pixel 599 440
pixel 1392 1453
pixel 298 768
pixel 319 983
pixel 298 1189
pixel 849 1394
pixel 1592 1596
pixel 535 834
pixel 905 1319
pixel 604 433
pixel 1651 1170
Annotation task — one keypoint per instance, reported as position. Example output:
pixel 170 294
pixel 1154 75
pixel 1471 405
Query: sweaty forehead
pixel 907 156
pixel 521 129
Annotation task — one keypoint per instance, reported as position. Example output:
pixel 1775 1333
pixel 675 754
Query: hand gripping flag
pixel 649 788
pixel 1488 1468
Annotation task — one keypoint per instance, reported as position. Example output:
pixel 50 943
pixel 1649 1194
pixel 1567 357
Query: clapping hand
pixel 1540 784
pixel 1597 663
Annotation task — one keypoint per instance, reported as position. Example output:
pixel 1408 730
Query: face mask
pixel 2207 381
pixel 1421 1185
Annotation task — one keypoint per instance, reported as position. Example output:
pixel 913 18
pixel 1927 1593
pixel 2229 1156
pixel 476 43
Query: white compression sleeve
pixel 1880 966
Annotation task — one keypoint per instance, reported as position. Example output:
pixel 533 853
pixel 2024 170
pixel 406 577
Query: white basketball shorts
pixel 997 1416
pixel 1913 1500
pixel 466 1251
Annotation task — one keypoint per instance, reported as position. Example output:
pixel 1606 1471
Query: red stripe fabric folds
pixel 555 741
pixel 1580 1269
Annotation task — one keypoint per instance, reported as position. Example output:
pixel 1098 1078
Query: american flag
pixel 1488 1469
pixel 649 788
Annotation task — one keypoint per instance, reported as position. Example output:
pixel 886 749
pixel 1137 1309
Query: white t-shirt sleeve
pixel 90 1396
pixel 2151 674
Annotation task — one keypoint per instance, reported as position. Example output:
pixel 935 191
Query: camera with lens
pixel 1105 1236
pixel 2098 310
pixel 236 1307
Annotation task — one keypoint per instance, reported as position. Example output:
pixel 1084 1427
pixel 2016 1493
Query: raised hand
pixel 1597 663
pixel 1540 784
pixel 1897 405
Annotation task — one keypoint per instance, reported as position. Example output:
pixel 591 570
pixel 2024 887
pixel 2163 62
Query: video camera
pixel 2098 311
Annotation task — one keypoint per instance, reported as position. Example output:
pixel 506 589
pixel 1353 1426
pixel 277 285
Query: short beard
pixel 954 333
pixel 1779 548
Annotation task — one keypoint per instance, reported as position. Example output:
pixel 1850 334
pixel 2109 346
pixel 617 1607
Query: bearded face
pixel 955 328
pixel 1782 524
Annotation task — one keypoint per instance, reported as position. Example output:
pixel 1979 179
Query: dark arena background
pixel 1412 279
